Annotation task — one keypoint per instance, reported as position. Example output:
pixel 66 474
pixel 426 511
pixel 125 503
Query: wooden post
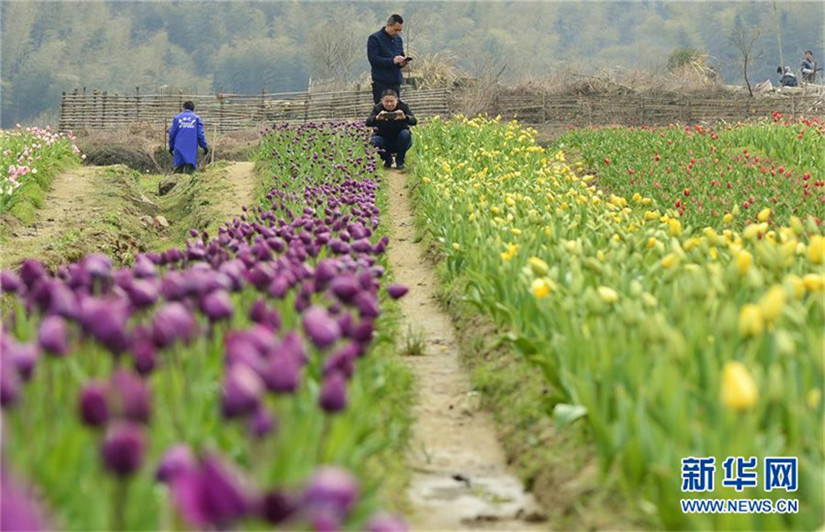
pixel 306 106
pixel 137 104
pixel 543 107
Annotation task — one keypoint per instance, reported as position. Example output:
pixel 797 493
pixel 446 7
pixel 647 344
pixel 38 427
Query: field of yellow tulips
pixel 668 340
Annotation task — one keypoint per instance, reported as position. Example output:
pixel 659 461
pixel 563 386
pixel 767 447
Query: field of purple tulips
pixel 236 382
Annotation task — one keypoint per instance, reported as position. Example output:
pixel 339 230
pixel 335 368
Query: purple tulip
pixel 397 291
pixel 19 508
pixel 144 268
pixel 262 423
pixel 321 328
pixel 278 506
pixel 242 391
pixel 282 373
pixel 106 322
pixel 345 288
pixel 173 321
pixel 177 460
pixel 331 489
pixel 333 397
pixel 31 271
pixel 279 287
pixel 143 354
pixel 325 272
pixel 342 361
pixel 64 302
pixel 212 496
pixel 94 410
pixel 384 522
pixel 123 449
pixel 143 292
pixel 367 305
pixel 24 357
pixel 217 305
pixel 129 397
pixel 363 331
pixel 9 282
pixel 52 335
pixel 97 265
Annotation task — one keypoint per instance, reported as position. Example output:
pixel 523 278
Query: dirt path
pixel 241 178
pixel 460 478
pixel 71 200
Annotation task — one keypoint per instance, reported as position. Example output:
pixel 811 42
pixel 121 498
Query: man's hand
pixel 381 116
pixel 205 150
pixel 399 60
pixel 399 115
pixel 172 151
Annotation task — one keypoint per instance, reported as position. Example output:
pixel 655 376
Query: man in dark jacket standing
pixel 392 119
pixel 385 51
pixel 185 135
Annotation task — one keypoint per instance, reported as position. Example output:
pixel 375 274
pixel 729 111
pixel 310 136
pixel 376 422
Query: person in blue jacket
pixel 185 135
pixel 385 51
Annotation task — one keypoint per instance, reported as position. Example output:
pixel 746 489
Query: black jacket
pixel 381 49
pixel 389 128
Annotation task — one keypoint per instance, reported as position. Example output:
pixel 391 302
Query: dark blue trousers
pixel 398 146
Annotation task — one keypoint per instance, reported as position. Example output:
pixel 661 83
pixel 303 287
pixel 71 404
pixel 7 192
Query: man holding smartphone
pixel 385 51
pixel 392 119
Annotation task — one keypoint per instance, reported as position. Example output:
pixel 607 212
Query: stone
pixel 166 185
pixel 161 222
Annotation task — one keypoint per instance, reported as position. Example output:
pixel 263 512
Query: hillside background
pixel 240 46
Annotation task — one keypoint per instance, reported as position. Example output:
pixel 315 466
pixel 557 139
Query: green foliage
pixel 681 57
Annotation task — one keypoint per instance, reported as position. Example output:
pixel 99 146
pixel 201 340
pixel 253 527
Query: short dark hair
pixel 389 92
pixel 395 19
pixel 809 52
pixel 189 105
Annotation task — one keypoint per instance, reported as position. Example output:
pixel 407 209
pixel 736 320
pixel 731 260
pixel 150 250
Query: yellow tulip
pixel 675 227
pixel 814 282
pixel 772 303
pixel 739 390
pixel 751 322
pixel 743 262
pixel 813 397
pixel 456 245
pixel 539 267
pixel 816 249
pixel 670 260
pixel 608 294
pixel 539 288
pixel 728 218
pixel 764 214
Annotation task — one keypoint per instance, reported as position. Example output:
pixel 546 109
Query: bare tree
pixel 743 40
pixel 333 50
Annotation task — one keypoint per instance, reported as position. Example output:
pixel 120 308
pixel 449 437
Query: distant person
pixel 392 119
pixel 809 68
pixel 787 78
pixel 185 135
pixel 385 51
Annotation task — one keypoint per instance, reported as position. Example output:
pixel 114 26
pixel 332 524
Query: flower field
pixel 668 316
pixel 235 382
pixel 724 178
pixel 29 159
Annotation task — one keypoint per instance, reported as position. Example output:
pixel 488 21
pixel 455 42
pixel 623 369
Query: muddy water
pixel 460 478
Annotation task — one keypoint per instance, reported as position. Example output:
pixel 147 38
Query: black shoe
pixel 387 164
pixel 399 166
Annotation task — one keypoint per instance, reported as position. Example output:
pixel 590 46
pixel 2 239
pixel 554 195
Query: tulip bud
pixel 94 411
pixel 751 321
pixel 739 391
pixel 242 390
pixel 123 449
pixel 322 329
pixel 332 489
pixel 397 291
pixel 333 397
pixel 52 335
pixel 177 460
